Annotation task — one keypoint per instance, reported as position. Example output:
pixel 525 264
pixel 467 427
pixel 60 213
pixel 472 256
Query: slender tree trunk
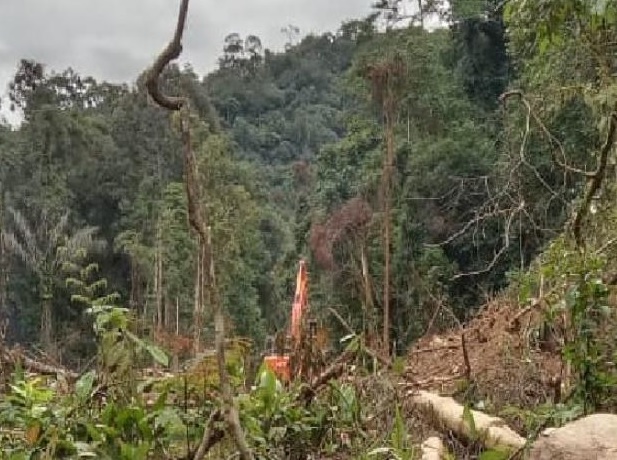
pixel 169 314
pixel 368 296
pixel 133 294
pixel 385 77
pixel 46 320
pixel 233 416
pixel 146 299
pixel 421 13
pixel 158 281
pixel 387 185
pixel 3 261
pixel 197 306
pixel 177 317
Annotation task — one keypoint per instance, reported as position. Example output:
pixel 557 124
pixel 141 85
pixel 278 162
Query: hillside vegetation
pixel 447 183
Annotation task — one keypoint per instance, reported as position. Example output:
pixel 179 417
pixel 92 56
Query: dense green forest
pixel 413 169
pixel 289 140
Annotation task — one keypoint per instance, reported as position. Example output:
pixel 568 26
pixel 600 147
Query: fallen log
pixel 332 372
pixel 453 346
pixel 15 356
pixel 491 431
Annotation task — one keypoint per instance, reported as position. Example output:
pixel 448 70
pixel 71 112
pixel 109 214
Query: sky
pixel 115 40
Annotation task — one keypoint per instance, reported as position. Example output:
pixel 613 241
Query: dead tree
pixel 198 222
pixel 386 78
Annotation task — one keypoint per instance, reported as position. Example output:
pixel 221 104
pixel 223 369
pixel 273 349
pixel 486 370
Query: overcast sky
pixel 115 40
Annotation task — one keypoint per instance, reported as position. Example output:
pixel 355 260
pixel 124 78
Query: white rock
pixel 589 438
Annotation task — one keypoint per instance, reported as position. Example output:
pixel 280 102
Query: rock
pixel 589 438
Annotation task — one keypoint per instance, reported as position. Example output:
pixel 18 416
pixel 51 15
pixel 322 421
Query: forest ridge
pixel 290 149
pixel 451 192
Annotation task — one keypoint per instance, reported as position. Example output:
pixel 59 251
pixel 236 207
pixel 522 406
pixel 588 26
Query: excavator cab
pixel 277 358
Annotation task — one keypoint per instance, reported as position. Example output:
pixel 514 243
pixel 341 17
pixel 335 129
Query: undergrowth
pixel 112 412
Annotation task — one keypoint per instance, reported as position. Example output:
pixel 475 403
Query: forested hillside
pixel 419 172
pixel 296 139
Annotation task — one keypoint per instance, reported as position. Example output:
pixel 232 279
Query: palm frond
pixel 84 238
pixel 58 231
pixel 12 244
pixel 78 245
pixel 23 228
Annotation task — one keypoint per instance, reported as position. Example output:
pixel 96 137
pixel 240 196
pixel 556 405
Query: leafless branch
pixel 552 139
pixel 212 435
pixel 502 250
pixel 466 358
pixel 508 201
pixel 596 182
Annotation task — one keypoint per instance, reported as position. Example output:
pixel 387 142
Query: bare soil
pixel 508 366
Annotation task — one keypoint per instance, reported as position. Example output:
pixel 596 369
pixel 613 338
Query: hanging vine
pixel 199 224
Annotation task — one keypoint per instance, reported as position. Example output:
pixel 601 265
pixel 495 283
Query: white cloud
pixel 116 39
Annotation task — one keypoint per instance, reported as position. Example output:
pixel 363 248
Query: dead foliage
pixel 351 218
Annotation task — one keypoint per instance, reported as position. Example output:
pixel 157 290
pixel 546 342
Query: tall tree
pixel 386 77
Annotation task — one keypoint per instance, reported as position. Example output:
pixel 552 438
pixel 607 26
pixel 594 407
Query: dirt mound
pixel 505 362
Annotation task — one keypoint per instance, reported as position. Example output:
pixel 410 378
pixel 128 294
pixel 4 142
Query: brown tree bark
pixel 47 338
pixel 3 264
pixel 369 325
pixel 197 307
pixel 158 280
pixel 198 222
pixel 387 189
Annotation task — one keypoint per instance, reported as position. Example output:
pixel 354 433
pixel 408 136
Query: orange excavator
pixel 284 362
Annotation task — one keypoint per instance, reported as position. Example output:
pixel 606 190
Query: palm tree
pixel 44 247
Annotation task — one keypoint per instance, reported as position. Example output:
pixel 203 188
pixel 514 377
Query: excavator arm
pixel 300 302
pixel 280 363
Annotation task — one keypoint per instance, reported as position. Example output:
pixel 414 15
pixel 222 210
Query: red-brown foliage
pixel 352 218
pixel 177 344
pixel 302 173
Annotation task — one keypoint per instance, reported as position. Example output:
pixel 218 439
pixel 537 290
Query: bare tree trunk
pixel 199 224
pixel 146 298
pixel 3 267
pixel 421 13
pixel 387 186
pixel 46 321
pixel 169 314
pixel 133 294
pixel 158 280
pixel 233 417
pixel 197 307
pixel 385 78
pixel 368 296
pixel 177 316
